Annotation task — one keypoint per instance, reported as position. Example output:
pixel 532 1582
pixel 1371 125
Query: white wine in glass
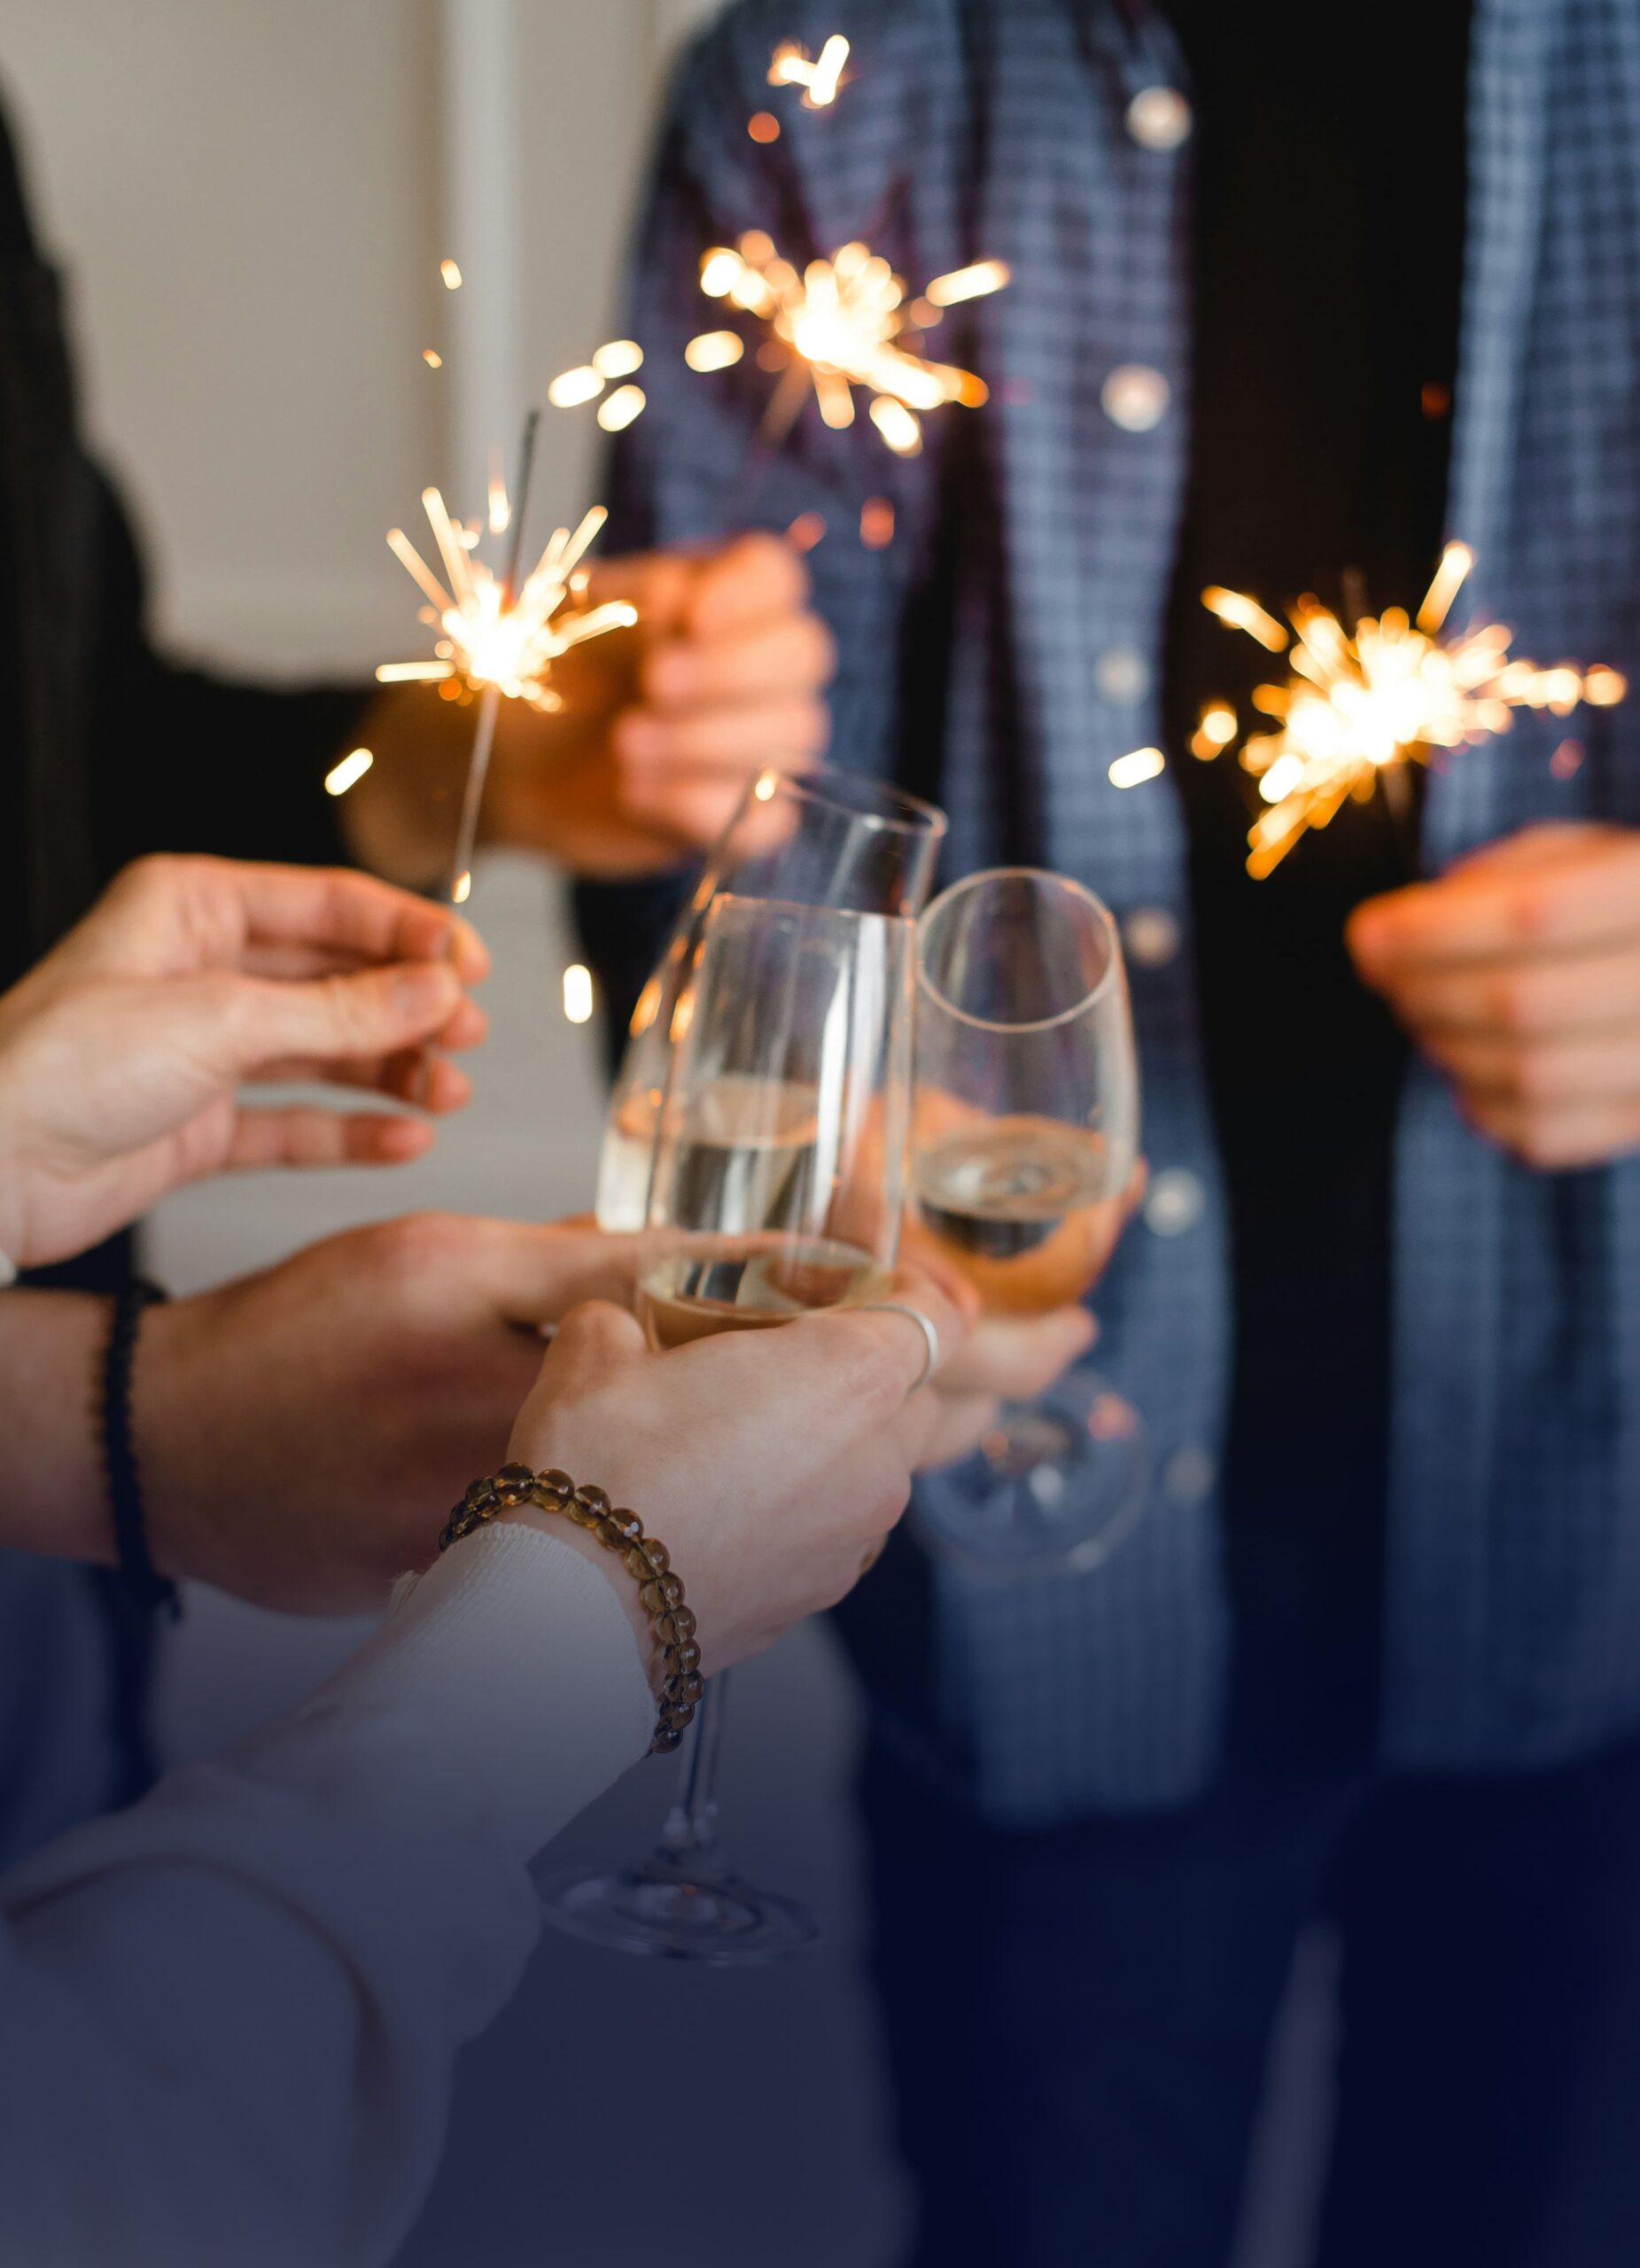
pixel 1026 1139
pixel 825 837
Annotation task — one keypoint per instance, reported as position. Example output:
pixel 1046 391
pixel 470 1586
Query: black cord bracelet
pixel 150 1589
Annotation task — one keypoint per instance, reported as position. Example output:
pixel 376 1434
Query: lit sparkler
pixel 501 637
pixel 489 638
pixel 841 324
pixel 1360 704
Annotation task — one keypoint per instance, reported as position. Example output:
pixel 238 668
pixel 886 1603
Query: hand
pixel 303 1433
pixel 771 1463
pixel 661 728
pixel 1518 973
pixel 121 1053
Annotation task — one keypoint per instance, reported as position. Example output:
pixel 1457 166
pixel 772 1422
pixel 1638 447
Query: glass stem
pixel 692 1824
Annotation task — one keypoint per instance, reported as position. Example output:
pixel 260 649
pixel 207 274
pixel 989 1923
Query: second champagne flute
pixel 781 1148
pixel 1025 1143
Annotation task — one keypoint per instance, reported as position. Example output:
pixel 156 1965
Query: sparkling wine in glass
pixel 1026 1137
pixel 825 837
pixel 782 1145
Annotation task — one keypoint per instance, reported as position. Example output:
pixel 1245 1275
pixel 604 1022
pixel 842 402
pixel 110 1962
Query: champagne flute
pixel 1025 1139
pixel 825 837
pixel 782 1144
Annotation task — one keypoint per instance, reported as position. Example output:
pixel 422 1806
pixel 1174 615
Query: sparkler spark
pixel 839 324
pixel 1359 703
pixel 588 380
pixel 819 78
pixel 492 638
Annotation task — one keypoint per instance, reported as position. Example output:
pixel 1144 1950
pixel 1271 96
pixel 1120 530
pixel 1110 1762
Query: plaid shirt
pixel 1512 1618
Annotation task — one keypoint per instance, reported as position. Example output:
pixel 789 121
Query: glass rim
pixel 904 814
pixel 1066 883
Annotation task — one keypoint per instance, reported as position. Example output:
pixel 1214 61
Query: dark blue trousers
pixel 1078 2020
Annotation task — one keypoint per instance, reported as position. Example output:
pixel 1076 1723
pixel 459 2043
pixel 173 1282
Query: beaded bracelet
pixel 645 1559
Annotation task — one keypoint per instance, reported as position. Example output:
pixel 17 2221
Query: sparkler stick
pixel 1360 704
pixel 490 706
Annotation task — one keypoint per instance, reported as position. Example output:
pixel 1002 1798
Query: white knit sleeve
pixel 228 2016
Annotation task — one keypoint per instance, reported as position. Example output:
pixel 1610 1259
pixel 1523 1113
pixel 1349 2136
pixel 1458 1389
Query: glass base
pixel 1055 1487
pixel 680 1906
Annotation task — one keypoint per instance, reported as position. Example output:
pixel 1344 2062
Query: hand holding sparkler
pixel 1517 972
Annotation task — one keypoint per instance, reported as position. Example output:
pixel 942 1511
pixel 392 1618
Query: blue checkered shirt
pixel 1512 1612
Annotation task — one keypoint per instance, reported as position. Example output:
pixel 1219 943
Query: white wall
pixel 253 197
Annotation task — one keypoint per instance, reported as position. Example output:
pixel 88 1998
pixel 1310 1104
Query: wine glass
pixel 1024 1142
pixel 825 837
pixel 782 1143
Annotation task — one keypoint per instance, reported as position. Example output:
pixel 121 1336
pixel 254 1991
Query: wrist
pixel 625 1590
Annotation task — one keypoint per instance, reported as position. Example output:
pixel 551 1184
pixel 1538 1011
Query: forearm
pixel 52 1493
pixel 240 2001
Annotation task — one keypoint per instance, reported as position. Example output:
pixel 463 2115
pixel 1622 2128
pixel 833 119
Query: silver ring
pixel 931 1337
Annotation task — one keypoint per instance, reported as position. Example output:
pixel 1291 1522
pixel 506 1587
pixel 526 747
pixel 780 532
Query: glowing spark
pixel 807 530
pixel 491 637
pixel 462 890
pixel 1132 771
pixel 876 523
pixel 348 772
pixel 433 362
pixel 819 79
pixel 714 349
pixel 1216 730
pixel 1360 703
pixel 764 128
pixel 1240 613
pixel 1456 561
pixel 623 406
pixel 839 323
pixel 451 273
pixel 570 388
pixel 501 511
pixel 578 993
pixel 975 283
pixel 619 359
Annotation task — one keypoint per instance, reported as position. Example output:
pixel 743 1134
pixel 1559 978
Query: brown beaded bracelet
pixel 645 1559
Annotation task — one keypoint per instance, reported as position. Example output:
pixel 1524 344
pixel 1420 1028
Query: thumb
pixel 376 1011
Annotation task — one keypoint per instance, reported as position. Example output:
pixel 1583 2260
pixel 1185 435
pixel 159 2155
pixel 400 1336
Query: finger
pixel 1017 1358
pixel 378 1012
pixel 358 913
pixel 1589 892
pixel 757 662
pixel 1559 1140
pixel 417 1074
pixel 956 1424
pixel 790 731
pixel 1546 1072
pixel 593 1339
pixel 900 1340
pixel 750 579
pixel 307 1137
pixel 1580 992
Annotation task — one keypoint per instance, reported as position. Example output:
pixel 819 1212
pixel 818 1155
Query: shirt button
pixel 1159 118
pixel 1121 674
pixel 1135 397
pixel 1176 1202
pixel 1151 936
pixel 1188 1476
